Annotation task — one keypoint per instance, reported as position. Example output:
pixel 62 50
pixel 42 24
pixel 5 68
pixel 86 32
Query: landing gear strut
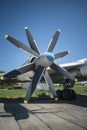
pixel 67 93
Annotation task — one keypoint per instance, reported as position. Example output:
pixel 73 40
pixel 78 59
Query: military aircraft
pixel 42 67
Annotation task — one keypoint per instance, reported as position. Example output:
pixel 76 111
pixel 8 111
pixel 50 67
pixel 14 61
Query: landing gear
pixel 68 84
pixel 67 93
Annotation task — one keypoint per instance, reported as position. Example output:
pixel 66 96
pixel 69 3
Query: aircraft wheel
pixel 59 94
pixel 66 94
pixel 73 94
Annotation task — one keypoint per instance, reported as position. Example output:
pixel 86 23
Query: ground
pixel 43 114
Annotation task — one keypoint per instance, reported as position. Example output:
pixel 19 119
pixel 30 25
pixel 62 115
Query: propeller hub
pixel 45 60
pixel 50 57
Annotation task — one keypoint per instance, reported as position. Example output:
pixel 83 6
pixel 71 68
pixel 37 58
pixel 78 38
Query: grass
pixel 12 93
pixel 16 93
pixel 80 89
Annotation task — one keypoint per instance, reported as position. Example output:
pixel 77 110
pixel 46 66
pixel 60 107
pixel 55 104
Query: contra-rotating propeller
pixel 41 62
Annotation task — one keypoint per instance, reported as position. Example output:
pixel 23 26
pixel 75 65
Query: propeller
pixel 21 45
pixel 53 41
pixel 50 83
pixel 62 71
pixel 20 70
pixel 61 54
pixel 34 82
pixel 41 62
pixel 31 41
pixel 46 75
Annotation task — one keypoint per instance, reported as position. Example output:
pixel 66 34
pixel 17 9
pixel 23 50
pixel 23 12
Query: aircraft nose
pixel 50 57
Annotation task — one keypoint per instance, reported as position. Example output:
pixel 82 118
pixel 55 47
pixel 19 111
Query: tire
pixel 73 94
pixel 66 95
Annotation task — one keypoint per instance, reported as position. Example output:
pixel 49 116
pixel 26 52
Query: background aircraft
pixel 41 66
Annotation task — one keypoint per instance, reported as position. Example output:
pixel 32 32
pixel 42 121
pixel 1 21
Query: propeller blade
pixel 19 71
pixel 31 41
pixel 61 54
pixel 49 83
pixel 53 41
pixel 21 45
pixel 34 83
pixel 62 71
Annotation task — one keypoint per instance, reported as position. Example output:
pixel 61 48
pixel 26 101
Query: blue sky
pixel 43 17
